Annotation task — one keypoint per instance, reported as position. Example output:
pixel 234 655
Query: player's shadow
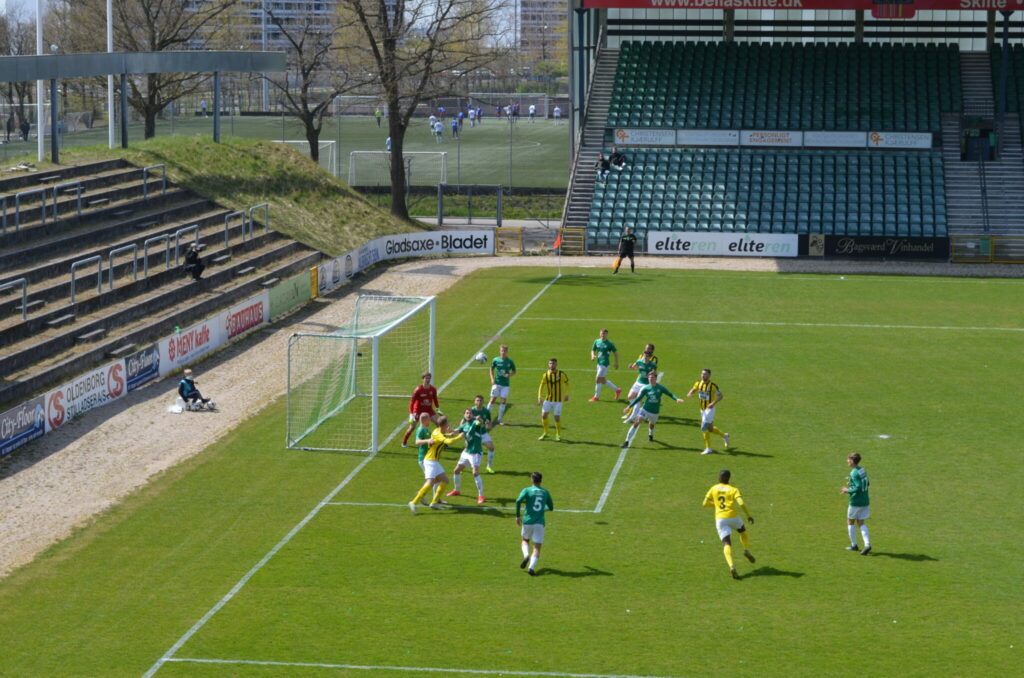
pixel 915 557
pixel 489 511
pixel 587 571
pixel 682 421
pixel 663 446
pixel 737 452
pixel 588 443
pixel 767 571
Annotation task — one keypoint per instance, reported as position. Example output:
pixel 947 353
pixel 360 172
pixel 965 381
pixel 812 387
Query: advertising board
pixel 723 244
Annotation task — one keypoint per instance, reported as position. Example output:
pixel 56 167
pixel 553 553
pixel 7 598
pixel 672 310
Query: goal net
pixel 345 389
pixel 328 153
pixel 489 101
pixel 373 168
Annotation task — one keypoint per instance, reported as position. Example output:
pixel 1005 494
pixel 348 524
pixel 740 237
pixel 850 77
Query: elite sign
pixel 723 244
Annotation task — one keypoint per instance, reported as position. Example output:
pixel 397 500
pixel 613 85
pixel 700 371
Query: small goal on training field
pixel 373 168
pixel 347 389
pixel 328 153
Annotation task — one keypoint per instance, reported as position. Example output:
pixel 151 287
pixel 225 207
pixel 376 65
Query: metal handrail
pixel 99 273
pixel 145 179
pixel 24 294
pixel 77 185
pixel 17 204
pixel 166 238
pixel 227 221
pixel 134 249
pixel 983 181
pixel 177 239
pixel 266 218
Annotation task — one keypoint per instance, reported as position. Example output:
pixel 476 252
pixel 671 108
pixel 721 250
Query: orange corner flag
pixel 558 241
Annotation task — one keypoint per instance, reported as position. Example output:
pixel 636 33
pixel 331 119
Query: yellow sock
pixel 422 493
pixel 558 427
pixel 746 542
pixel 717 431
pixel 728 555
pixel 438 493
pixel 544 423
pixel 707 439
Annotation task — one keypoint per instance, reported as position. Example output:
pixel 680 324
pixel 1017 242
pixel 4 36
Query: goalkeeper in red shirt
pixel 424 400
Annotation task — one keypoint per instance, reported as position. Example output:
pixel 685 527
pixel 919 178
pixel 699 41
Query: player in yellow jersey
pixel 709 395
pixel 725 498
pixel 433 473
pixel 553 391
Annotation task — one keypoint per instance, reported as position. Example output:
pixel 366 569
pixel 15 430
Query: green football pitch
pixel 536 154
pixel 253 560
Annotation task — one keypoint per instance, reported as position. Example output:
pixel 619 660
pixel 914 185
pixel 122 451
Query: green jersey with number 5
pixel 537 500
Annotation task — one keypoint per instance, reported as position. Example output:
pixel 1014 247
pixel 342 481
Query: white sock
pixel 611 385
pixel 533 562
pixel 479 485
pixel 501 411
pixel 597 390
pixel 457 478
pixel 650 431
pixel 490 457
pixel 852 529
pixel 526 549
pixel 864 533
pixel 631 433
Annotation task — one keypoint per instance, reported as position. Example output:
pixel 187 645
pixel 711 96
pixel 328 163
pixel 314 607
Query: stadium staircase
pixel 144 295
pixel 581 188
pixel 971 185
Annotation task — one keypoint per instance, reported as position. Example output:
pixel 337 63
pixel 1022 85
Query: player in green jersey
pixel 860 504
pixel 480 411
pixel 601 351
pixel 502 368
pixel 473 428
pixel 649 411
pixel 537 500
pixel 645 363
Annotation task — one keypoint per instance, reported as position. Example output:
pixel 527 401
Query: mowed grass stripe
pixel 775 324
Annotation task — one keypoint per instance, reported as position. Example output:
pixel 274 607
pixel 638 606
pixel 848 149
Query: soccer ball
pixel 480 357
pixel 210 405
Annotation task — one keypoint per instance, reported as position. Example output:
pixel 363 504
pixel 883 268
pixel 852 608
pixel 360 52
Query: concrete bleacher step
pixel 32 306
pixel 145 225
pixel 270 282
pixel 221 259
pixel 245 271
pixel 121 351
pixel 65 319
pixel 97 202
pixel 47 179
pixel 92 336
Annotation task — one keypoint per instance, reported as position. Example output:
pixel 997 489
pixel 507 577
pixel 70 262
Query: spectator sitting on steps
pixel 193 262
pixel 188 391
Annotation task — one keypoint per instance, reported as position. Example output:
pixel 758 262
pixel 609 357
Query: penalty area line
pixel 413 669
pixel 469 507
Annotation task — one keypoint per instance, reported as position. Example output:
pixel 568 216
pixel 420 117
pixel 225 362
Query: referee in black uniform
pixel 626 243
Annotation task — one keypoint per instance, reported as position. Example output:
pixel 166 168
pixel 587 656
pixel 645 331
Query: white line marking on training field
pixel 414 669
pixel 782 324
pixel 454 506
pixel 323 502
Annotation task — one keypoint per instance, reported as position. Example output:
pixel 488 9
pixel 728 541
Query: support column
pixel 990 30
pixel 124 110
pixel 858 26
pixel 728 25
pixel 54 111
pixel 216 107
pixel 1004 67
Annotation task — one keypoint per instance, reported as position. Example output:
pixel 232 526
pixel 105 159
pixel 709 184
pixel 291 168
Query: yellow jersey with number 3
pixel 725 498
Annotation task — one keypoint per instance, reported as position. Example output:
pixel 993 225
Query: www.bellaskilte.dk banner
pixel 867 5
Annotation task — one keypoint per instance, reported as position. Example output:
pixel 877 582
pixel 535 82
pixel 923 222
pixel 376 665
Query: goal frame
pixel 332 162
pixel 350 333
pixel 407 156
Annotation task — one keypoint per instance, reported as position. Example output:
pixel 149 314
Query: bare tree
pixel 147 26
pixel 411 50
pixel 313 78
pixel 17 38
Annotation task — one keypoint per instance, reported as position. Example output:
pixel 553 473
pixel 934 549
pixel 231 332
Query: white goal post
pixel 345 388
pixel 489 100
pixel 373 168
pixel 328 152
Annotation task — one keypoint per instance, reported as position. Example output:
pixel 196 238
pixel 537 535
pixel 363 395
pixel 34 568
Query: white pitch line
pixel 414 669
pixel 611 480
pixel 323 502
pixel 502 330
pixel 455 506
pixel 782 324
